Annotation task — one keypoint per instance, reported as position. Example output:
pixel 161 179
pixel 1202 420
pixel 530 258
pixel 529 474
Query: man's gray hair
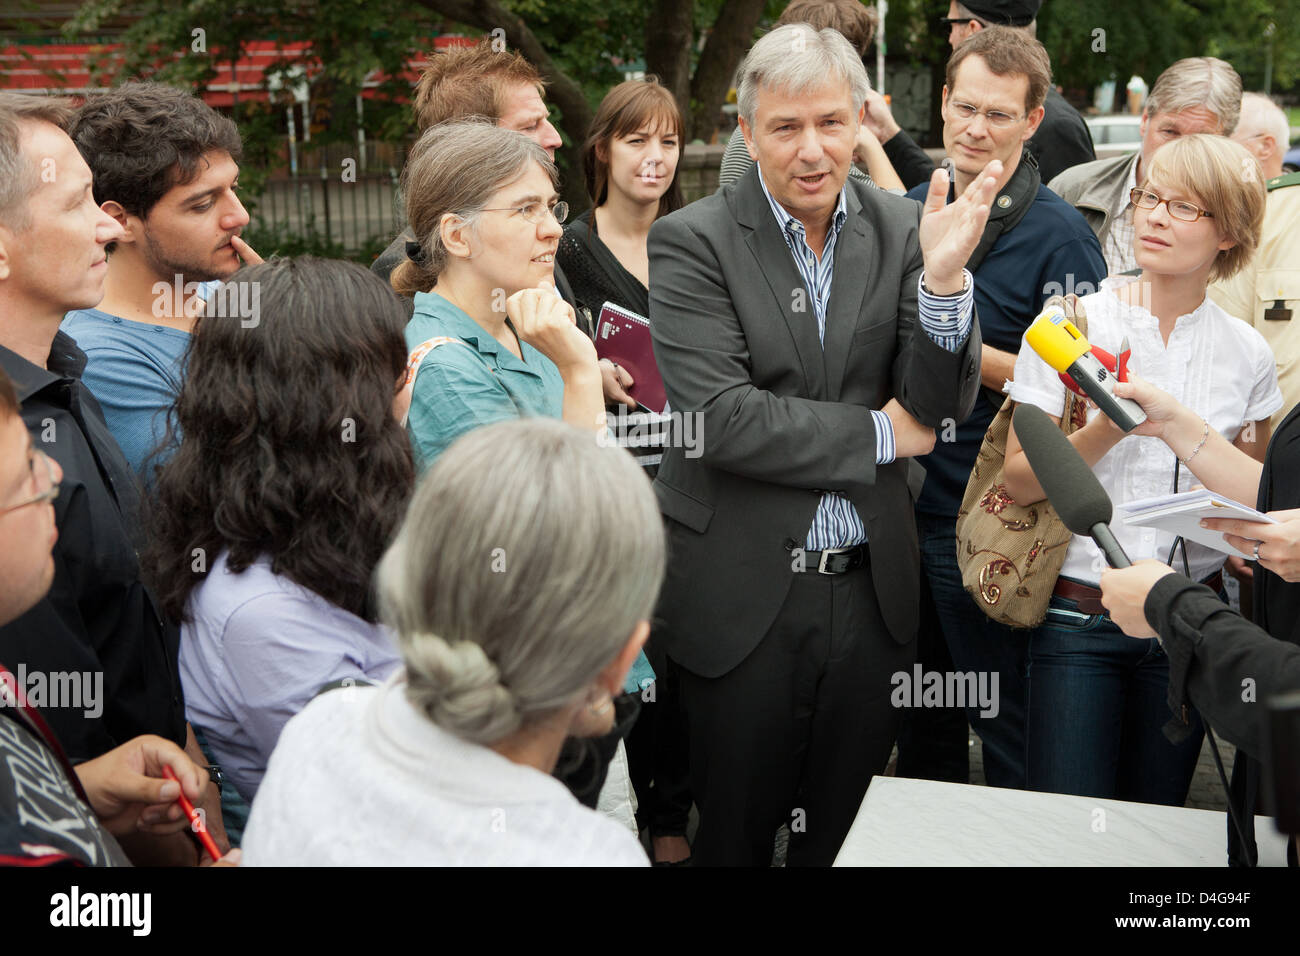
pixel 796 59
pixel 1259 114
pixel 1203 81
pixel 19 176
pixel 527 558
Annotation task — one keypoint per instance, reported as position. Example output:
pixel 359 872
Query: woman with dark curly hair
pixel 291 476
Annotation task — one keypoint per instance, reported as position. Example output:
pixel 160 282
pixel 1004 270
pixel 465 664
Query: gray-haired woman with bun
pixel 520 588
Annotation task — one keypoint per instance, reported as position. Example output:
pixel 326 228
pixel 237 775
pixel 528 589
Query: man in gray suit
pixel 821 332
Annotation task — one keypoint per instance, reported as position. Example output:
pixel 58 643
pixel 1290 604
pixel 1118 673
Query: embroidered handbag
pixel 1010 554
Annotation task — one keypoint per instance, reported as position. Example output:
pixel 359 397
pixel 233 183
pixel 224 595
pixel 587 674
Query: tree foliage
pixel 1092 41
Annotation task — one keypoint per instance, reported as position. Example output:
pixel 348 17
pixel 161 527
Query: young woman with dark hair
pixel 291 476
pixel 630 161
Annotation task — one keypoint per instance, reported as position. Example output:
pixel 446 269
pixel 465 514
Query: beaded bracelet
pixel 1200 444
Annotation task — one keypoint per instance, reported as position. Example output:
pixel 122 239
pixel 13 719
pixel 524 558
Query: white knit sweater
pixel 359 777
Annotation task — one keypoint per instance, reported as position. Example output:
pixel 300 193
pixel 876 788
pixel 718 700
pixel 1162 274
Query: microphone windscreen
pixel 1071 487
pixel 1056 339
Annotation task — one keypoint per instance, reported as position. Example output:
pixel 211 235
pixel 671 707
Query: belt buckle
pixel 826 552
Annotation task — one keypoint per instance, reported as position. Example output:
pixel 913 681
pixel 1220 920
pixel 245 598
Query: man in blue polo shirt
pixel 1035 245
pixel 166 168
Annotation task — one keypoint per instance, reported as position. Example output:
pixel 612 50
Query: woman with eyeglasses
pixel 1097 699
pixel 490 340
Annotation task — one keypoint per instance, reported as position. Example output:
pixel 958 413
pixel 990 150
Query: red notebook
pixel 623 337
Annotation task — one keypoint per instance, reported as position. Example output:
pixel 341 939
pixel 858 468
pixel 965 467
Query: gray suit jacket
pixel 735 338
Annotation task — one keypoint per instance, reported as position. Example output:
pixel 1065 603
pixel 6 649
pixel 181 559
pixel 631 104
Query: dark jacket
pixel 783 418
pixel 98 617
pixel 1212 650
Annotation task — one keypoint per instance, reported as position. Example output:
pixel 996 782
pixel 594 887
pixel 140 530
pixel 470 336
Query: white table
pixel 905 822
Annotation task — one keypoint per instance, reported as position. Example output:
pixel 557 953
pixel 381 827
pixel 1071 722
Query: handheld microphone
pixel 1071 487
pixel 1061 345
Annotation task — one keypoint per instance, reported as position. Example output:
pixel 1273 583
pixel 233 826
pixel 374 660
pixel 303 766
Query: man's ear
pixel 1035 118
pixel 124 219
pixel 455 236
pixel 748 133
pixel 1267 147
pixel 6 238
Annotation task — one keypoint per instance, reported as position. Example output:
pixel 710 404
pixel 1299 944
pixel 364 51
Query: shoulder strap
pixel 417 356
pixel 1016 198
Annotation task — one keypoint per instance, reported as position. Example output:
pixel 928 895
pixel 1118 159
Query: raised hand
pixel 951 231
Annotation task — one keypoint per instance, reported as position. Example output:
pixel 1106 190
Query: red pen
pixel 196 820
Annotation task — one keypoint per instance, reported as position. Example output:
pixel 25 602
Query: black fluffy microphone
pixel 1071 487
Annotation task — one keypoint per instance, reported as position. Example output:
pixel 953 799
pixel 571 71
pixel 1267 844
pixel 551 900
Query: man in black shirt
pixel 1062 139
pixel 98 628
pixel 50 812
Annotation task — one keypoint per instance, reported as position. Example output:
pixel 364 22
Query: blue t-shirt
pixel 134 370
pixel 1050 251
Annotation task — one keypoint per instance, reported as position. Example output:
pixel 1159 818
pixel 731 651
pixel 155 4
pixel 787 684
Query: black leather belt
pixel 836 560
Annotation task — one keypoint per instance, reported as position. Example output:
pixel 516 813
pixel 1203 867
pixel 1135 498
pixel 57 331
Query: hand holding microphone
pixel 1071 487
pixel 1061 345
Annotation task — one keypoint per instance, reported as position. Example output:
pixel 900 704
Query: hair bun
pixel 461 689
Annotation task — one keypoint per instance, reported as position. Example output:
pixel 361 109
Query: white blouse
pixel 361 778
pixel 1218 366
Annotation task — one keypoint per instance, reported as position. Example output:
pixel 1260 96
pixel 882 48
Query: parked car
pixel 1291 161
pixel 1115 134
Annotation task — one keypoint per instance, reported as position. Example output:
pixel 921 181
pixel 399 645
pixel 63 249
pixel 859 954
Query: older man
pixel 1198 95
pixel 1263 129
pixel 1266 293
pixel 818 332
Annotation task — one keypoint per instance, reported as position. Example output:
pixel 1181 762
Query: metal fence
pixel 338 199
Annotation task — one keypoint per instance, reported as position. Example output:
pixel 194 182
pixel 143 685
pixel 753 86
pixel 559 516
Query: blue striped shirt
pixel 945 319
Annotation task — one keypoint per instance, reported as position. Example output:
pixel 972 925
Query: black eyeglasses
pixel 947 23
pixel 1186 211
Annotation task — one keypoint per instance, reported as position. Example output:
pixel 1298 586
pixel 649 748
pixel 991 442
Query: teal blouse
pixel 459 389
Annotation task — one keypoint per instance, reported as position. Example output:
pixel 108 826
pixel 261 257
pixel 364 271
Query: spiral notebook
pixel 623 337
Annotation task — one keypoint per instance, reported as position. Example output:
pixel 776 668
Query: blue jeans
pixel 980 644
pixel 1097 706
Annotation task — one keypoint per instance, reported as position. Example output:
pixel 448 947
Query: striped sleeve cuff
pixel 884 437
pixel 947 318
